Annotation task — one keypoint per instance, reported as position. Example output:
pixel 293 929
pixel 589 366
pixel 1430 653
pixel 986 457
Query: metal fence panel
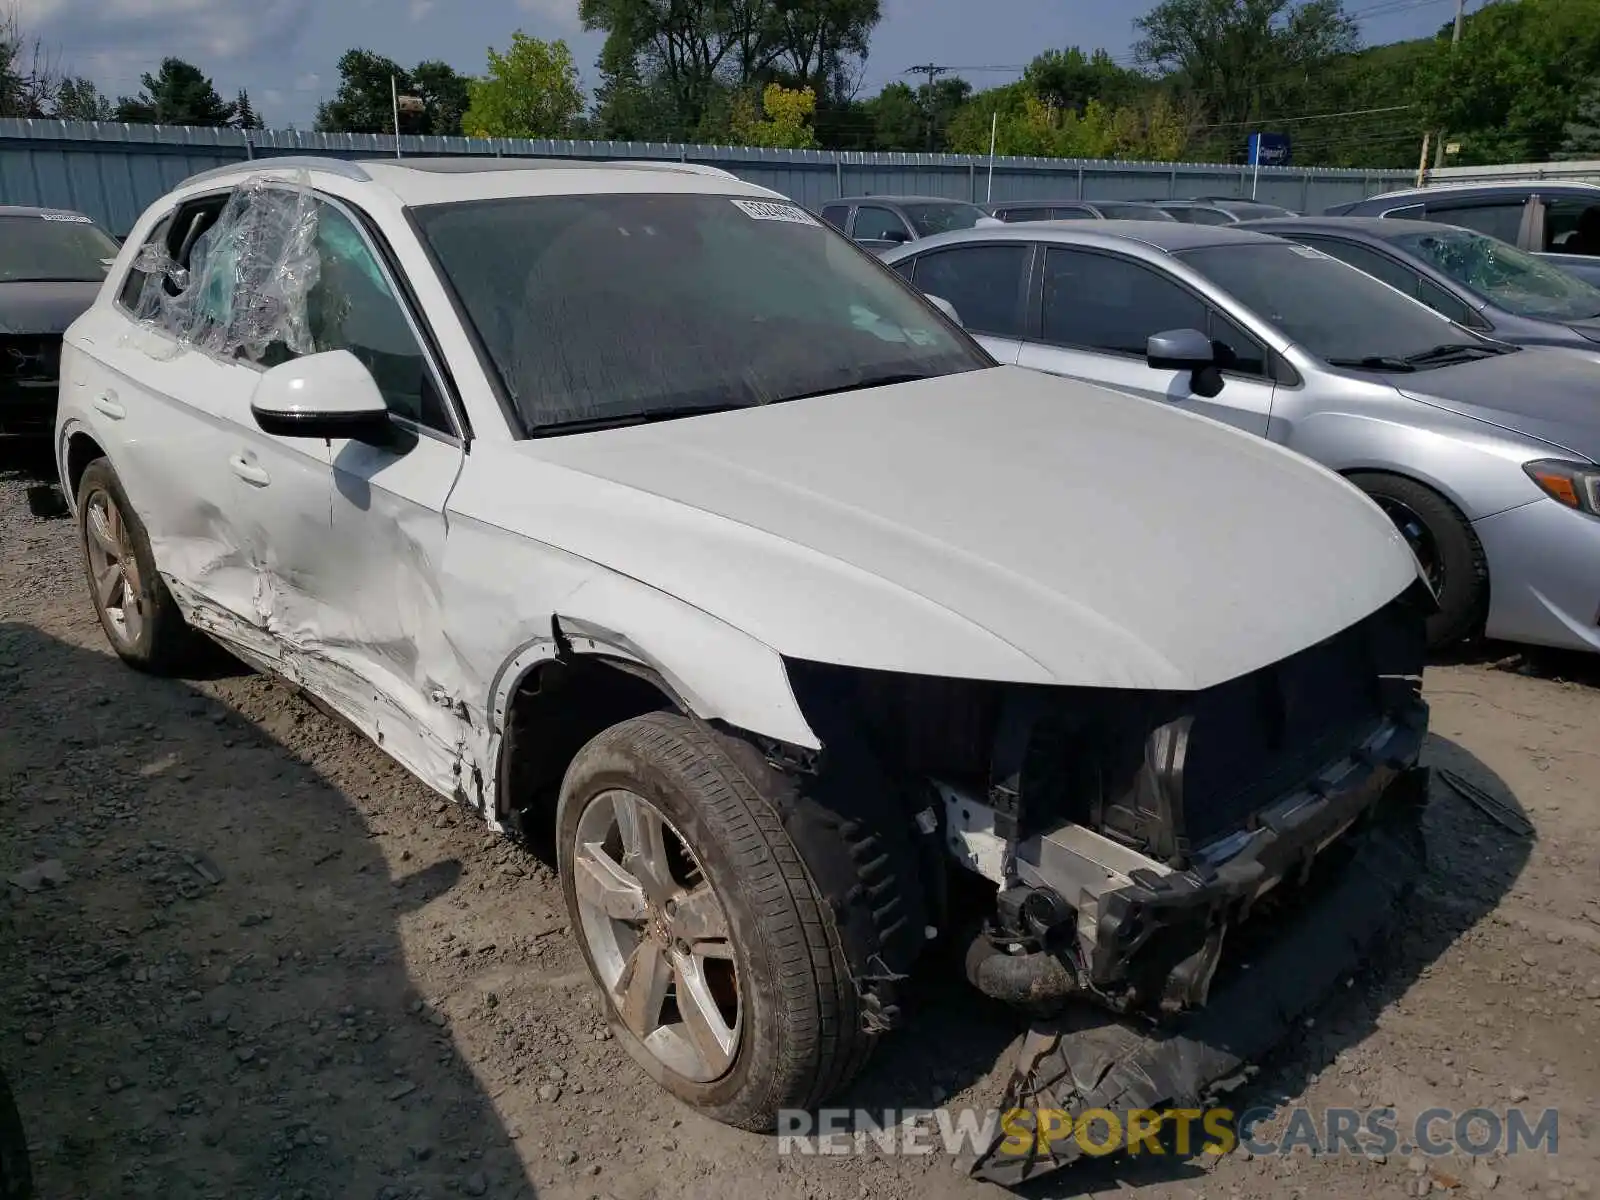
pixel 112 172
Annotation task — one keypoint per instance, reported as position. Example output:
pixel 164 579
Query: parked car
pixel 1483 454
pixel 1474 279
pixel 1076 210
pixel 1559 221
pixel 884 222
pixel 1219 212
pixel 52 264
pixel 762 586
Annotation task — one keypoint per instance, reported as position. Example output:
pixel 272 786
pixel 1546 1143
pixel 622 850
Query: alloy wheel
pixel 1419 537
pixel 114 569
pixel 658 935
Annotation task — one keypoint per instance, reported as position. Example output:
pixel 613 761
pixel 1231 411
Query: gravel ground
pixel 272 965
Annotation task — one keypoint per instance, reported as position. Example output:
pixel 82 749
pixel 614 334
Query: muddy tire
pixel 728 913
pixel 1448 549
pixel 16 1177
pixel 139 616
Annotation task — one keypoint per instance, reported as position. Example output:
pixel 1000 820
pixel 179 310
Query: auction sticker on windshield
pixel 68 218
pixel 766 210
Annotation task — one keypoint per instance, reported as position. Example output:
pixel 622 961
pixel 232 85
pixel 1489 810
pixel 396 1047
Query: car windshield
pixel 53 249
pixel 1504 275
pixel 930 219
pixel 1331 310
pixel 614 309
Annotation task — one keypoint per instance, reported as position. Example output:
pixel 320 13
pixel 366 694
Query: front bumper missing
pixel 1090 1060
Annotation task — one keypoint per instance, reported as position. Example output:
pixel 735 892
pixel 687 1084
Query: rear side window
pixel 1106 302
pixel 984 283
pixel 1071 214
pixel 1026 214
pixel 1572 226
pixel 1503 221
pixel 1209 216
pixel 836 215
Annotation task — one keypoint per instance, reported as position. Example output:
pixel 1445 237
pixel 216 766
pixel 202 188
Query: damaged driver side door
pixel 371 632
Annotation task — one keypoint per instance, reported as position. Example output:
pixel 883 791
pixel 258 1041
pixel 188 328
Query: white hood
pixel 998 524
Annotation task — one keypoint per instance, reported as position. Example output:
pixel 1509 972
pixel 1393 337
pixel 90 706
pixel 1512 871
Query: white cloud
pixel 420 9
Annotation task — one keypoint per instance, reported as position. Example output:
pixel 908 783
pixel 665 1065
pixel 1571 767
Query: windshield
pixel 61 248
pixel 601 309
pixel 1249 210
pixel 930 219
pixel 1503 274
pixel 1333 311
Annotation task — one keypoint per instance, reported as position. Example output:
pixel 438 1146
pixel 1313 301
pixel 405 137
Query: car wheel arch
pixel 78 449
pixel 605 678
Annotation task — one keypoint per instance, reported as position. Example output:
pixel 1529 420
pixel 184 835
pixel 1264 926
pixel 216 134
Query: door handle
pixel 248 471
pixel 106 403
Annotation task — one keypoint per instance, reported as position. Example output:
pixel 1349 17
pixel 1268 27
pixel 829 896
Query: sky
pixel 284 51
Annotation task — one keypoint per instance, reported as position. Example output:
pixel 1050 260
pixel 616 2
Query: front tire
pixel 1447 548
pixel 722 973
pixel 139 616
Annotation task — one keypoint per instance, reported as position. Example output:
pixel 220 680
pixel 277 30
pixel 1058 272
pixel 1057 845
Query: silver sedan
pixel 1482 453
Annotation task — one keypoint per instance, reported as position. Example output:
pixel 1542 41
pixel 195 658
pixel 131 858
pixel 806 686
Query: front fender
pixel 712 669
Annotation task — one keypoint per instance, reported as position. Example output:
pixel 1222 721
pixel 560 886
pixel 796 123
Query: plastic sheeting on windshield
pixel 248 278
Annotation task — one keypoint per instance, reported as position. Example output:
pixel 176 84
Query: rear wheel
pixel 722 974
pixel 138 614
pixel 1443 541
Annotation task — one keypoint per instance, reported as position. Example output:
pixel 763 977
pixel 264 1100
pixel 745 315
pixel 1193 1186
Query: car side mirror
pixel 898 236
pixel 1186 350
pixel 943 306
pixel 327 395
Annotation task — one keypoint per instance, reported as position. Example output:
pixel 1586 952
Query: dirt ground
pixel 276 967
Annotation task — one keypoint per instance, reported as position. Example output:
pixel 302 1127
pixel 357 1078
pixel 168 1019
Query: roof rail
pixel 668 164
pixel 307 162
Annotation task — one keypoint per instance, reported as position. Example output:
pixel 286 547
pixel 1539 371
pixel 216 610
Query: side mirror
pixel 898 236
pixel 1186 350
pixel 943 306
pixel 327 395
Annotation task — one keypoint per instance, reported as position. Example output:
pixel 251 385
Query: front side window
pixel 929 219
pixel 352 307
pixel 1503 221
pixel 1134 212
pixel 1209 216
pixel 1026 214
pixel 983 283
pixel 1504 275
pixel 1379 266
pixel 1071 214
pixel 1105 302
pixel 875 224
pixel 53 248
pixel 1340 314
pixel 836 215
pixel 606 309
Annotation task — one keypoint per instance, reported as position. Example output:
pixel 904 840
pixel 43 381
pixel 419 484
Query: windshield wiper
pixel 871 381
pixel 1374 362
pixel 1453 352
pixel 621 420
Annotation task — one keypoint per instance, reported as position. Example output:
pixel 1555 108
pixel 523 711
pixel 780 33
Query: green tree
pixel 529 91
pixel 1508 91
pixel 897 119
pixel 1244 61
pixel 1582 138
pixel 80 100
pixel 244 113
pixel 178 94
pixel 693 56
pixel 1069 79
pixel 787 123
pixel 364 102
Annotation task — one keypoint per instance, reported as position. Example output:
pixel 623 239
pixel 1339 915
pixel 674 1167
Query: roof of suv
pixel 416 181
pixel 897 200
pixel 1384 228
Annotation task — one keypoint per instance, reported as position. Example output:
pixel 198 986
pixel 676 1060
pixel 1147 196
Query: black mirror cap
pixel 373 426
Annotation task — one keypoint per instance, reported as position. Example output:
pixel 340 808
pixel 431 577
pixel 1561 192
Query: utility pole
pixel 1455 40
pixel 932 72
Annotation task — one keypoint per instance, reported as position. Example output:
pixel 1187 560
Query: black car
pixel 1077 210
pixel 1473 279
pixel 52 264
pixel 1558 221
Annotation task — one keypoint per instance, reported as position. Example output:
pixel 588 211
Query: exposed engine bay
pixel 1130 836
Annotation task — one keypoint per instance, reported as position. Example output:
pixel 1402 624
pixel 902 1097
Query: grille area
pixel 29 359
